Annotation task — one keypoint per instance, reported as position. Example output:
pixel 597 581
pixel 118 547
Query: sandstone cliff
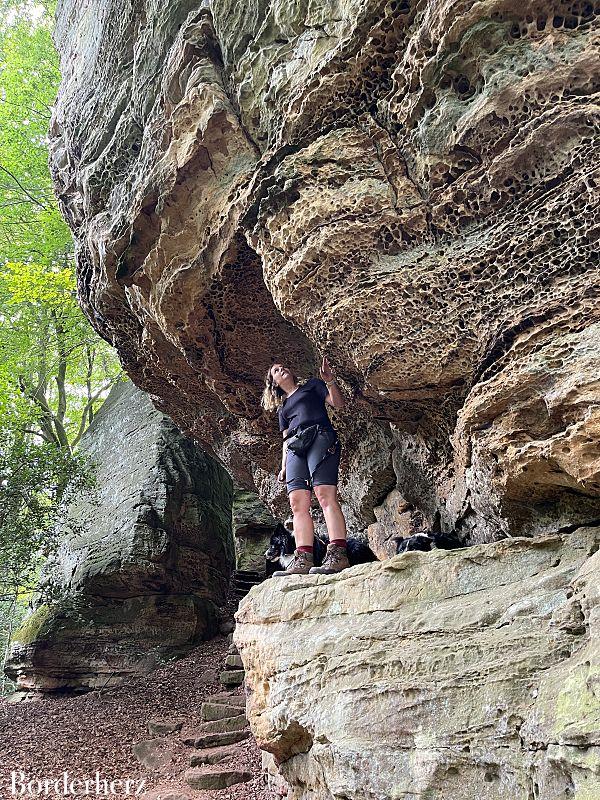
pixel 470 674
pixel 143 562
pixel 403 186
pixel 407 187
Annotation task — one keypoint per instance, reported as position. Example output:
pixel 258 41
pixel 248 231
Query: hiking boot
pixel 335 560
pixel 301 564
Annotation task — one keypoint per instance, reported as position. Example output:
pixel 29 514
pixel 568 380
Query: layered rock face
pixel 143 562
pixel 471 674
pixel 406 187
pixel 252 530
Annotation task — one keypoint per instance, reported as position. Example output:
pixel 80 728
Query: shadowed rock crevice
pixel 291 741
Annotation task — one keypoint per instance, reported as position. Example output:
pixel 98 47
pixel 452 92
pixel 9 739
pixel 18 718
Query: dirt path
pixel 95 732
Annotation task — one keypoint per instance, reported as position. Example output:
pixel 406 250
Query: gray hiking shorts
pixel 318 467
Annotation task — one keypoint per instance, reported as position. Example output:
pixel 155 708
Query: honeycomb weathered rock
pixel 406 187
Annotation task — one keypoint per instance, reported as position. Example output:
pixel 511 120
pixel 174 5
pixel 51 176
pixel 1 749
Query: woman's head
pixel 273 394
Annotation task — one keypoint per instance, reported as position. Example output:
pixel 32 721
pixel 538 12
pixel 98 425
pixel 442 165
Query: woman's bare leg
pixel 304 530
pixel 334 517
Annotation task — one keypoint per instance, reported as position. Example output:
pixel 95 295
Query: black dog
pixel 281 550
pixel 282 546
pixel 358 552
pixel 425 540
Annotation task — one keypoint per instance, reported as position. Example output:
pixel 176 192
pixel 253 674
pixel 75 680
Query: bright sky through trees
pixel 33 11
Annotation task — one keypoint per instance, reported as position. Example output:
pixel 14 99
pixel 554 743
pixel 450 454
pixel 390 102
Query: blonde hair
pixel 273 395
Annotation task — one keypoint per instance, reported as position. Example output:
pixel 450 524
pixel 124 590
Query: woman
pixel 299 406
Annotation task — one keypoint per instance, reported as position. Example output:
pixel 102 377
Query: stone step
pixel 210 711
pixel 159 727
pixel 207 778
pixel 236 723
pixel 153 753
pixel 215 739
pixel 229 699
pixel 214 755
pixel 234 662
pixel 247 585
pixel 232 650
pixel 232 677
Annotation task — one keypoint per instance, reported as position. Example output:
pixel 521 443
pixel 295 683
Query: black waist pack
pixel 300 441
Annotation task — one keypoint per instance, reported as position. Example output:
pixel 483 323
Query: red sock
pixel 305 548
pixel 338 542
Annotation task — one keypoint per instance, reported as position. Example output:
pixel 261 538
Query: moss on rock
pixel 33 625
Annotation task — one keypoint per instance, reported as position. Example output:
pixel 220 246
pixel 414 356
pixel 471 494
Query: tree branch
pixel 39 399
pixel 60 378
pixel 89 404
pixel 28 108
pixel 23 189
pixel 41 434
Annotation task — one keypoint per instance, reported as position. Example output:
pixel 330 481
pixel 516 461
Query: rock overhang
pixel 404 187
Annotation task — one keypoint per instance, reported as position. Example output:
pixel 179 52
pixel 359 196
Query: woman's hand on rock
pixel 326 373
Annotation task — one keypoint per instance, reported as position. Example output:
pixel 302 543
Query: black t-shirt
pixel 306 406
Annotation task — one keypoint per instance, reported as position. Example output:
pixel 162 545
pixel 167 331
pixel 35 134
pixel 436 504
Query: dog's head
pixel 418 541
pixel 282 543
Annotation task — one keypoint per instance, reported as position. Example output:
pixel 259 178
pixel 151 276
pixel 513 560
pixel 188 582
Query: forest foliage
pixel 54 370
